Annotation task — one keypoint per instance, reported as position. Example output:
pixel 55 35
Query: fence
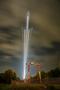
pixel 55 80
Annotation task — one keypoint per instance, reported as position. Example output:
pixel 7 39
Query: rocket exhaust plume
pixel 26 39
pixel 27 30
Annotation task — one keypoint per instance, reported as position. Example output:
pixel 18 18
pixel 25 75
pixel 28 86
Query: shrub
pixel 46 85
pixel 51 87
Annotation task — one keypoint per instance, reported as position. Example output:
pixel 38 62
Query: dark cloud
pixel 6 63
pixel 56 46
pixel 4 54
pixel 15 59
pixel 43 50
pixel 10 34
pixel 48 51
pixel 5 30
pixel 5 8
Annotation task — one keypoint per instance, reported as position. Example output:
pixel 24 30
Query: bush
pixel 51 87
pixel 46 85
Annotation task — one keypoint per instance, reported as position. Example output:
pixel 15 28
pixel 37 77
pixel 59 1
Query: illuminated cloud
pixel 45 18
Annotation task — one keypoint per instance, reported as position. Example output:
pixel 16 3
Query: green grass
pixel 4 87
pixel 25 87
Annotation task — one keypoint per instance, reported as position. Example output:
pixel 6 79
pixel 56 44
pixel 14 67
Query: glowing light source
pixel 32 63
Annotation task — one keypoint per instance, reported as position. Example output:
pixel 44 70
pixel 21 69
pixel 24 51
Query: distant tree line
pixel 7 76
pixel 52 73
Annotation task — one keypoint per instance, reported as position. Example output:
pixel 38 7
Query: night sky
pixel 44 47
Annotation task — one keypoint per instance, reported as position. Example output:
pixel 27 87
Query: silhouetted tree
pixel 48 74
pixel 57 72
pixel 2 78
pixel 51 73
pixel 18 79
pixel 9 74
pixel 43 74
pixel 14 77
pixel 37 75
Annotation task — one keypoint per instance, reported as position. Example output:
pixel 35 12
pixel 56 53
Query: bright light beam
pixel 26 39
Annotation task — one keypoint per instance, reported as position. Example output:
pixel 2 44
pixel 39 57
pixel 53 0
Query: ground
pixel 25 87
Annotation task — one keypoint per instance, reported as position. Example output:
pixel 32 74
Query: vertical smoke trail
pixel 26 39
